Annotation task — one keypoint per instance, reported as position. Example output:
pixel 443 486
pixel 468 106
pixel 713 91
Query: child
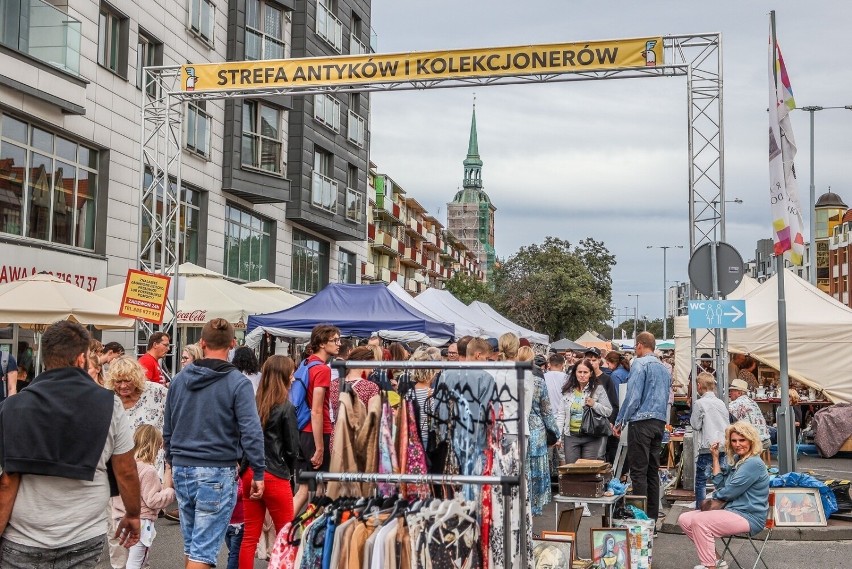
pixel 234 534
pixel 147 442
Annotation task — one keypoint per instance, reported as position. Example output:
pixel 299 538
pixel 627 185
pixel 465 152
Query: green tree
pixel 467 289
pixel 555 288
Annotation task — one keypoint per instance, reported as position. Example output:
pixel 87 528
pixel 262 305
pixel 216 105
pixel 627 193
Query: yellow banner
pixel 144 296
pixel 423 66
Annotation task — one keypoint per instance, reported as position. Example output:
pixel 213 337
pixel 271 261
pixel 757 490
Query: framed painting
pixel 799 507
pixel 562 536
pixel 610 548
pixel 553 552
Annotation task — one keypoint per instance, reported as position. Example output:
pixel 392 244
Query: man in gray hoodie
pixel 211 421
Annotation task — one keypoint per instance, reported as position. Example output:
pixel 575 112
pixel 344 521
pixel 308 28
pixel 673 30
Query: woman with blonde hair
pixel 740 501
pixel 508 345
pixel 190 353
pixel 144 401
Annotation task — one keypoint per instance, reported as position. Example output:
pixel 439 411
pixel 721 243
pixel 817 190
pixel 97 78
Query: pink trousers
pixel 704 527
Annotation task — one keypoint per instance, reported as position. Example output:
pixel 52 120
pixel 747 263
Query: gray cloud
pixel 608 159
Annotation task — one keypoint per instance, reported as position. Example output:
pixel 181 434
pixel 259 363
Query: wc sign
pixel 717 314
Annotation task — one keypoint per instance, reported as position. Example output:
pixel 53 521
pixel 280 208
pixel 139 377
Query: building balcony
pixel 385 275
pixel 412 257
pixel 371 232
pixel 324 192
pixel 329 28
pixel 356 46
pixel 368 272
pixel 356 130
pixel 385 244
pixel 41 31
pixel 412 286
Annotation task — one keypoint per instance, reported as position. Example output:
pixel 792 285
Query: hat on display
pixel 593 351
pixel 738 384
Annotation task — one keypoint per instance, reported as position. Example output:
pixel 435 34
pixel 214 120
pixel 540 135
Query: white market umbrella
pixel 204 294
pixel 42 299
pixel 277 292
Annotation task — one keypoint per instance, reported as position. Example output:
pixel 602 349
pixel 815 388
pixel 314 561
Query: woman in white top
pixel 581 390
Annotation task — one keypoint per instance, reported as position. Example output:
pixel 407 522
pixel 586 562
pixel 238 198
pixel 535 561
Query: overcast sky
pixel 608 159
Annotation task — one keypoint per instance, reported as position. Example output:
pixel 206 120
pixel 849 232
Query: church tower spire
pixel 473 163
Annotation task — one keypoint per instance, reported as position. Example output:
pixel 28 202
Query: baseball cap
pixel 493 343
pixel 594 351
pixel 739 384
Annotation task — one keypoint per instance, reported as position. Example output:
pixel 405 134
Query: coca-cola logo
pixel 194 316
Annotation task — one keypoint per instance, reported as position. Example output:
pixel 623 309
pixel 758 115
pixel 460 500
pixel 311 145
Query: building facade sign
pixel 19 262
pixel 423 66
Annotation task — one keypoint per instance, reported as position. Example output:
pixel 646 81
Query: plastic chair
pixel 759 545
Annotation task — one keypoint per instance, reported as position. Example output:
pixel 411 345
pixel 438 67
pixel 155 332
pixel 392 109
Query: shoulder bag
pixel 594 424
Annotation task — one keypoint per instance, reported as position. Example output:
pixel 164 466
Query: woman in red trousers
pixel 280 438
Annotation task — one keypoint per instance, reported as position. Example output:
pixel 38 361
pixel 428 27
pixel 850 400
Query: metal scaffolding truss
pixel 698 57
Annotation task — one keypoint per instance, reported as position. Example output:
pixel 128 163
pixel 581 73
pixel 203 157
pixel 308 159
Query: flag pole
pixel 786 453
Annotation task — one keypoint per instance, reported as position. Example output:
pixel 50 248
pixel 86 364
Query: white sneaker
pixel 586 512
pixel 721 564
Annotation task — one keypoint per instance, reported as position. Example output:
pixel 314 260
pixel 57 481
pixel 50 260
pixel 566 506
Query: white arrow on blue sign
pixel 717 314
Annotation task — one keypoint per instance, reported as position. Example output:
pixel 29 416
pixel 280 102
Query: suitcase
pixel 584 485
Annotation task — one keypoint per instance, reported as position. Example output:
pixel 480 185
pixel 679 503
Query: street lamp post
pixel 635 319
pixel 812 218
pixel 665 249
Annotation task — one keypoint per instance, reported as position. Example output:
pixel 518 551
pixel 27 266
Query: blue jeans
pixel 206 497
pixel 233 540
pixel 703 464
pixel 82 555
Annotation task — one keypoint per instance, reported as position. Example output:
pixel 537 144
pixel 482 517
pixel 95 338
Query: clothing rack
pixel 506 482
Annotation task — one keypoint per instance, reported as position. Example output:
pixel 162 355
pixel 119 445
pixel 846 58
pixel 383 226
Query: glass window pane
pixel 270 156
pixel 191 120
pixel 203 137
pixel 42 140
pixel 253 45
pixel 253 14
pixel 273 25
pixel 102 42
pixel 39 191
pixel 13 169
pixel 248 150
pixel 14 129
pixel 63 203
pixel 87 186
pixel 263 270
pixel 88 157
pixel 249 116
pixel 66 148
pixel 273 49
pixel 270 122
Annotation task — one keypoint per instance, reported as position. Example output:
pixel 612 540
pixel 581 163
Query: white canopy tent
pixel 522 332
pixel 450 309
pixel 278 293
pixel 462 329
pixel 819 336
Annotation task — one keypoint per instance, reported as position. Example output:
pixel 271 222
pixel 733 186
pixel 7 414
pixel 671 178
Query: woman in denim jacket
pixel 742 489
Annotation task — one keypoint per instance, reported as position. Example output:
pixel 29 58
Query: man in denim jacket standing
pixel 645 409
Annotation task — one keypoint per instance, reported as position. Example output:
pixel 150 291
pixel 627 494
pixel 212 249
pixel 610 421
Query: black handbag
pixel 594 424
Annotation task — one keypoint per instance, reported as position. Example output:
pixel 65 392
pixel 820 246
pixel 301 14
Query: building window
pixel 323 187
pixel 48 184
pixel 248 243
pixel 310 263
pixel 346 267
pixel 262 137
pixel 264 30
pixel 356 129
pixel 202 18
pixel 327 111
pixel 354 198
pixel 356 46
pixel 149 53
pixel 112 40
pixel 329 27
pixel 190 222
pixel 198 128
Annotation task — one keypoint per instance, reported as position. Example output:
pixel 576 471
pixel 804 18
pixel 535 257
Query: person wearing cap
pixel 742 408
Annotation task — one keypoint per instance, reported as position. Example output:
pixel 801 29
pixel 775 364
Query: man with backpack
pixel 309 395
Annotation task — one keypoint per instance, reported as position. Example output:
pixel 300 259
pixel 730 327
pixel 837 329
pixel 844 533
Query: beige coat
pixel 356 444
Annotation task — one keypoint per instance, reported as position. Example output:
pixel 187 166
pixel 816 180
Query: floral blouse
pixel 151 407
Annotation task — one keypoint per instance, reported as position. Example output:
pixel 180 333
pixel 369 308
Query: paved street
pixel 671 551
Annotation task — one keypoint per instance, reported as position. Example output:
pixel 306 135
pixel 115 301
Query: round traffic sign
pixel 729 270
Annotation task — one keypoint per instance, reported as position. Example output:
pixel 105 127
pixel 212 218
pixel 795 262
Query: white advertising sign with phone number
pixel 19 262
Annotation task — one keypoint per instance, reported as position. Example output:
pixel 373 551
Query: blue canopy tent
pixel 358 310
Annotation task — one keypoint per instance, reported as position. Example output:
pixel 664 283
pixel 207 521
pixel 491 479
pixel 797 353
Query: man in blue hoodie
pixel 211 421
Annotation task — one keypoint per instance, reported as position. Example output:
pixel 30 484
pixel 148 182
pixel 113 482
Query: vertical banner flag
pixel 783 191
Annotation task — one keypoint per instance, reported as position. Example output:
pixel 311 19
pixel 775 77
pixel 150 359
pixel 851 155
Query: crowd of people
pixel 227 435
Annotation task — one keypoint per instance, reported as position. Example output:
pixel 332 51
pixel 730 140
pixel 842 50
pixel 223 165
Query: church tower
pixel 470 216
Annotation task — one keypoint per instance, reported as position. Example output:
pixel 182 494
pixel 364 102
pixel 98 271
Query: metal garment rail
pixel 505 481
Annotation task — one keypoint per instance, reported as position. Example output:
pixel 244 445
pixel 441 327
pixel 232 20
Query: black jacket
pixel 281 441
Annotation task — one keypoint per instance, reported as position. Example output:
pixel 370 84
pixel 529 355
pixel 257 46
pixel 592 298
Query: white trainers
pixel 586 512
pixel 720 564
